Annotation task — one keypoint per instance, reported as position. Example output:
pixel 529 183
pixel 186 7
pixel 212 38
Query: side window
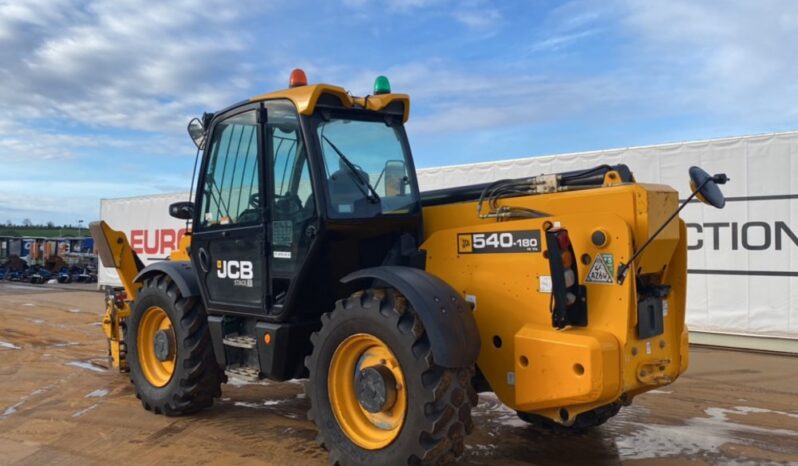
pixel 231 192
pixel 294 206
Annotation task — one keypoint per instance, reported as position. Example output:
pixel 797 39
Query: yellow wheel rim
pixel 371 431
pixel 158 373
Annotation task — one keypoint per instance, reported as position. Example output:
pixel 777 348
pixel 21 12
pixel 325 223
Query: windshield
pixel 365 166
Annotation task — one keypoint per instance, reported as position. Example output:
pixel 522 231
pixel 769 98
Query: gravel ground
pixel 60 404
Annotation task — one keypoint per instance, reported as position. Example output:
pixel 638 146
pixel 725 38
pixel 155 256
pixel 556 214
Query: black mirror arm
pixel 623 269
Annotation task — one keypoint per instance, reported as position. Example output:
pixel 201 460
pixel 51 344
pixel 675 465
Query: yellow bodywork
pixel 115 251
pixel 534 367
pixel 531 366
pixel 305 99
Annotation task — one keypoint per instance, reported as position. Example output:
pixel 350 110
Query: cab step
pixel 246 373
pixel 240 341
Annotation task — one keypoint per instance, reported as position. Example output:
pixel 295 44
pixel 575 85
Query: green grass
pixel 42 232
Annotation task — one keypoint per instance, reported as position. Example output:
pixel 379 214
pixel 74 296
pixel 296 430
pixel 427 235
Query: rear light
pixel 570 278
pixel 567 259
pixel 569 298
pixel 563 240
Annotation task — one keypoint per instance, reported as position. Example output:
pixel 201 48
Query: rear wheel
pixel 170 353
pixel 377 397
pixel 584 421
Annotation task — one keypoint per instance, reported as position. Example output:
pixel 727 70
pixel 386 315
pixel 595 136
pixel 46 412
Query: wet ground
pixel 59 404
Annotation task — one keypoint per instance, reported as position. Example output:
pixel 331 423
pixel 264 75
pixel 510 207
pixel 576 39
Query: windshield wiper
pixel 373 197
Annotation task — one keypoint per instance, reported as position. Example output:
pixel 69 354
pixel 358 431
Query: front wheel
pixel 170 353
pixel 377 397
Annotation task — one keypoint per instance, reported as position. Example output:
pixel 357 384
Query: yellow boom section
pixel 115 251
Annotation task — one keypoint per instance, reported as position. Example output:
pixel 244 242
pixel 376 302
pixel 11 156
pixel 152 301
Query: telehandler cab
pixel 312 254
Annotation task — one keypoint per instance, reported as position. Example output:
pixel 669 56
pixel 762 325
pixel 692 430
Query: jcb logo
pixel 234 269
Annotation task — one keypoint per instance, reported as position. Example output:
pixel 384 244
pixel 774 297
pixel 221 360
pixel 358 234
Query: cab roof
pixel 307 97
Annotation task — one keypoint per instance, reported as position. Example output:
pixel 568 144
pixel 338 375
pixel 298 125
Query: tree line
pixel 27 223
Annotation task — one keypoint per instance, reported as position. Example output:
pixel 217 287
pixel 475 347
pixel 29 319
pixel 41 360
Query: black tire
pixel 197 379
pixel 439 399
pixel 583 421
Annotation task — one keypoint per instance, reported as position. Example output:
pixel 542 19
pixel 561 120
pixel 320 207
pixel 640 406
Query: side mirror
pixel 184 210
pixel 706 187
pixel 395 177
pixel 197 132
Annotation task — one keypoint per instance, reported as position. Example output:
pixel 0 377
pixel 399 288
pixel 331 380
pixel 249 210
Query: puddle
pixel 26 287
pixel 7 345
pixel 749 409
pixel 253 405
pixel 73 310
pixel 11 409
pixel 479 448
pixel 247 404
pixel 37 321
pixel 697 436
pixel 490 406
pixel 64 344
pixel 99 393
pixel 85 410
pixel 29 305
pixel 237 382
pixel 86 365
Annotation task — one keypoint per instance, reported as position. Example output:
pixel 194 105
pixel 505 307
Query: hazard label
pixel 601 270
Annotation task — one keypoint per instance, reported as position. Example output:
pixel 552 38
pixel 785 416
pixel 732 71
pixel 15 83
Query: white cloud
pixel 738 59
pixel 478 16
pixel 109 77
pixel 116 63
pixel 454 98
pixel 557 42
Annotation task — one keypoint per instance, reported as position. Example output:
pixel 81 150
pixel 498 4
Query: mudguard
pixel 447 317
pixel 181 272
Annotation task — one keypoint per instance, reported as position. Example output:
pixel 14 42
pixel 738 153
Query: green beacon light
pixel 382 86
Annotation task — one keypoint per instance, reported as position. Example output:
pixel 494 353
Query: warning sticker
pixel 601 270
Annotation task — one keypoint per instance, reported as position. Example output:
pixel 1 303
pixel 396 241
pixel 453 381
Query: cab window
pixel 231 190
pixel 294 207
pixel 365 163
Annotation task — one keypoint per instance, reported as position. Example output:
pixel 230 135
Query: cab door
pixel 293 218
pixel 228 247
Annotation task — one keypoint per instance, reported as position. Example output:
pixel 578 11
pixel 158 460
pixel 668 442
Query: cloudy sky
pixel 95 94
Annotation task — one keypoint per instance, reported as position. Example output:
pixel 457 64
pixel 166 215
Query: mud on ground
pixel 60 404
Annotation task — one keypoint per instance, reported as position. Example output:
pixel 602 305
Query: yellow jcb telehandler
pixel 312 254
